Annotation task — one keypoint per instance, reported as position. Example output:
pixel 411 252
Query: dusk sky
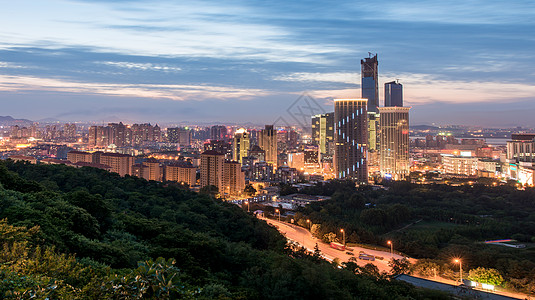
pixel 460 62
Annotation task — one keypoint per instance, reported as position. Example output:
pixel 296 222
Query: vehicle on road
pixel 365 256
pixel 338 246
pixel 349 253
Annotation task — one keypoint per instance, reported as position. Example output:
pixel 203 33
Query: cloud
pixel 155 91
pixel 140 66
pixel 338 77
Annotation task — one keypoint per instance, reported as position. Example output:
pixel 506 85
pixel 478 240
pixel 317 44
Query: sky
pixel 460 61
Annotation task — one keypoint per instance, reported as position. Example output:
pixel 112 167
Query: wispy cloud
pixel 155 91
pixel 140 66
pixel 338 77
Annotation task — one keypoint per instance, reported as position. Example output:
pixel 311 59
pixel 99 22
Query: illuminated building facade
pixel 394 142
pixel 240 145
pixel 351 138
pixel 323 133
pixel 181 173
pixel 233 178
pixel 268 142
pixel 212 169
pixel 370 91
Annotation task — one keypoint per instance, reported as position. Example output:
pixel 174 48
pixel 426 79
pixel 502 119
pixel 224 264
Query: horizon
pixel 466 64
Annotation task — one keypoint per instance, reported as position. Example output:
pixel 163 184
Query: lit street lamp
pixel 308 224
pixel 247 206
pixel 458 260
pixel 278 211
pixel 391 248
pixel 344 235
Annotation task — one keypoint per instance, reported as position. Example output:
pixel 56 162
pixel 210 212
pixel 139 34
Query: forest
pixel 435 223
pixel 85 233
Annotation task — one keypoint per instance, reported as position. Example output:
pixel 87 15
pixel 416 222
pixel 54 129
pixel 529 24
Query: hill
pixel 136 239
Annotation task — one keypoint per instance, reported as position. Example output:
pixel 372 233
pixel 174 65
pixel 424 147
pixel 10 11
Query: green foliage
pixel 137 239
pixel 249 190
pixel 484 275
pixel 399 266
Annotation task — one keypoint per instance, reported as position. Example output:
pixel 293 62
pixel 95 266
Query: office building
pixel 370 91
pixel 394 142
pixel 212 169
pixel 240 145
pixel 119 163
pixel 393 94
pixel 323 133
pixel 268 142
pixel 521 148
pixel 351 139
pixel 370 82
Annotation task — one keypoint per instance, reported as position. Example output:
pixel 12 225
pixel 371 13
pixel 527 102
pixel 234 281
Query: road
pixel 304 238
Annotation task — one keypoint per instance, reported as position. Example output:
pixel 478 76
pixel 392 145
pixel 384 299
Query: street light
pixel 247 206
pixel 458 260
pixel 391 248
pixel 344 235
pixel 278 211
pixel 308 224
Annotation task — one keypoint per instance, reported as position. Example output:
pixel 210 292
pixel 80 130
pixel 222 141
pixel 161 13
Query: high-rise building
pixel 351 138
pixel 268 142
pixel 218 133
pixel 323 133
pixel 370 82
pixel 212 169
pixel 370 91
pixel 394 142
pixel 393 94
pixel 173 135
pixel 240 145
pixel 233 178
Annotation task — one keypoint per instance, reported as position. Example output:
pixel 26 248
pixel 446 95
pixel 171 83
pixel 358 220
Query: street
pixel 304 238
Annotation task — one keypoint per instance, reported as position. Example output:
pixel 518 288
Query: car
pixel 349 253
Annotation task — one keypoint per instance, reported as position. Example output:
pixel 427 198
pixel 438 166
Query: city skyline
pixel 459 63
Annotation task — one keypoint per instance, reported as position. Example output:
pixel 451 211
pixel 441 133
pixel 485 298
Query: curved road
pixel 304 238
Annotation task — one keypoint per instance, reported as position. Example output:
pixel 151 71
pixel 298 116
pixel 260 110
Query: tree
pixel 249 190
pixel 399 266
pixel 209 190
pixel 487 276
pixel 329 237
pixel 426 267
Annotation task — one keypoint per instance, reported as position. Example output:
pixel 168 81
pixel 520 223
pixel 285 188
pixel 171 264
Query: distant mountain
pixel 9 120
pixel 49 120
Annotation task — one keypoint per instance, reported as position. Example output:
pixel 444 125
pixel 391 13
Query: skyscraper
pixel 369 82
pixel 394 145
pixel 370 91
pixel 240 145
pixel 323 133
pixel 212 169
pixel 393 94
pixel 218 133
pixel 351 137
pixel 268 142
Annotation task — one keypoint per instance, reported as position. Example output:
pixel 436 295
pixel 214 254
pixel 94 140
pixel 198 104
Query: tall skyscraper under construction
pixel 370 91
